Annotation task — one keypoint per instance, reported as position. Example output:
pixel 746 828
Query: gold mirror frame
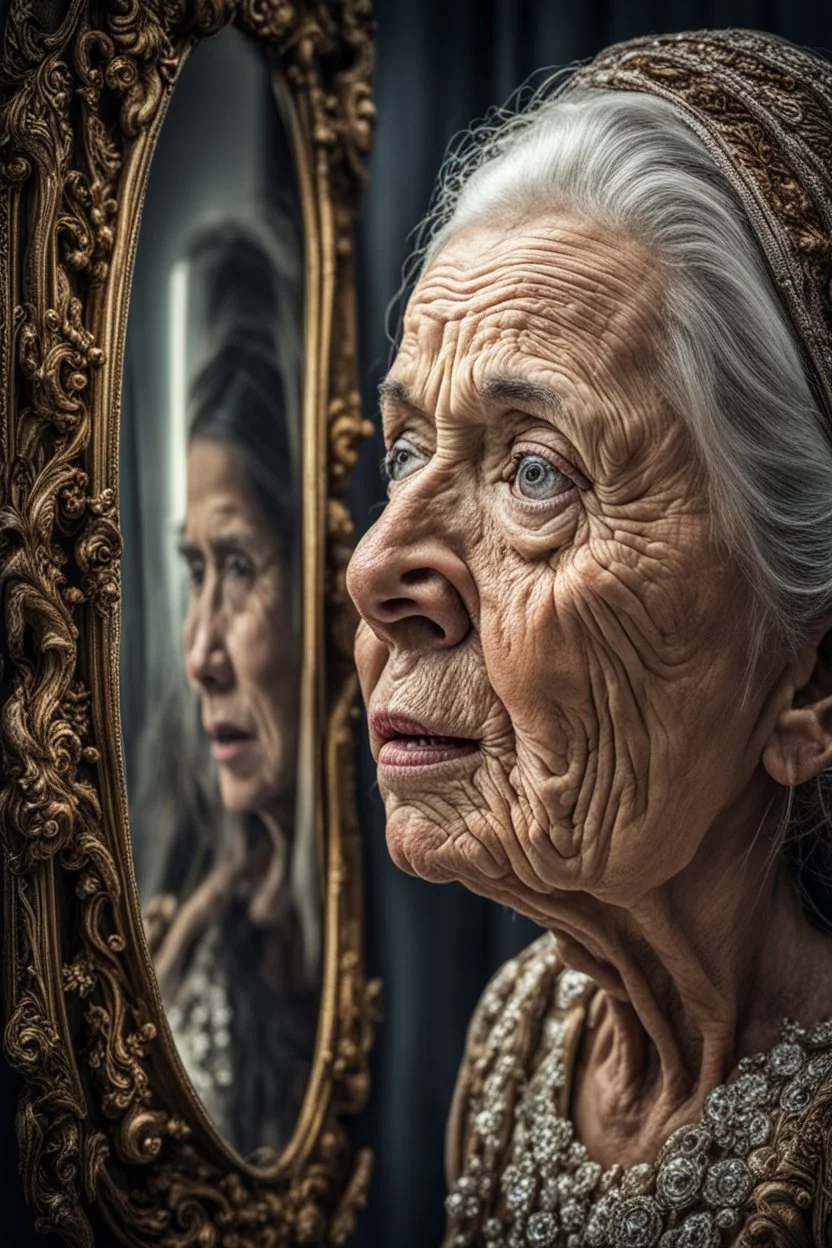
pixel 107 1124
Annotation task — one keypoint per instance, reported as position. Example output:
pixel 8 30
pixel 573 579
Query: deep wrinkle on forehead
pixel 567 308
pixel 503 391
pixel 484 265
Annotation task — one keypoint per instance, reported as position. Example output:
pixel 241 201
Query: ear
pixel 800 745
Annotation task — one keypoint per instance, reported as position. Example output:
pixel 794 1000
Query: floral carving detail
pixel 78 111
pixel 79 977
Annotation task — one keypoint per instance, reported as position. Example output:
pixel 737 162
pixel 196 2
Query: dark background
pixel 440 65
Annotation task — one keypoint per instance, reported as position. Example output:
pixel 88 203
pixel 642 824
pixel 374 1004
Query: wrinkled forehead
pixel 548 296
pixel 220 497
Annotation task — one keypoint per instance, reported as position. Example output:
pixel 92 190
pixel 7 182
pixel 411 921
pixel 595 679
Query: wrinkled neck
pixel 695 976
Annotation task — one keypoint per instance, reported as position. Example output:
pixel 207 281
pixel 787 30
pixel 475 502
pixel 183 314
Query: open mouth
pixel 407 743
pixel 228 741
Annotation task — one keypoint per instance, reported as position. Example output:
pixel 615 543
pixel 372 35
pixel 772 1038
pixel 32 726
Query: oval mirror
pixel 186 1005
pixel 211 516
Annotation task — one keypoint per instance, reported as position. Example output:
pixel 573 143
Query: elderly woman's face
pixel 239 656
pixel 553 648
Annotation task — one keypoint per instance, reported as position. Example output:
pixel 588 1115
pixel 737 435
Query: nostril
pixel 393 607
pixel 427 612
pixel 405 611
pixel 416 576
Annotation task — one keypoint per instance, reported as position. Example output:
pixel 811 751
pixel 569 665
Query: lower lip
pixel 227 751
pixel 402 752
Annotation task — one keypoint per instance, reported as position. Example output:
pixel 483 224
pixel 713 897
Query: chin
pixel 402 842
pixel 247 798
pixel 416 846
pixel 238 798
pixel 235 803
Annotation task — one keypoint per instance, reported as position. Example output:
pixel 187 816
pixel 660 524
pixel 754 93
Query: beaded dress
pixel 754 1170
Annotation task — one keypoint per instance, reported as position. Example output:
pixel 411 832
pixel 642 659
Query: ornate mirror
pixel 221 815
pixel 185 997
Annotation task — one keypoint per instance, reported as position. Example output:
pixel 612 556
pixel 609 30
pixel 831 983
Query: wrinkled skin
pixel 591 636
pixel 238 634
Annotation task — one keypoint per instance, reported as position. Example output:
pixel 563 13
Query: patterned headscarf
pixel 763 108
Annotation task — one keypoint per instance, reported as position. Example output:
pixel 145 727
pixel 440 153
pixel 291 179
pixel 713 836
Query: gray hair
pixel 729 362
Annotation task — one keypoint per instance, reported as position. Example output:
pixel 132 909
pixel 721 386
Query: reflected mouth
pixel 227 741
pixel 407 743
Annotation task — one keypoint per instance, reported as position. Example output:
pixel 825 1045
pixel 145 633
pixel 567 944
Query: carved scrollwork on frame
pixel 106 1118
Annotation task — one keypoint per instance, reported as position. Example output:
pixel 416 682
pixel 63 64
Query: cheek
pixel 370 659
pixel 531 658
pixel 266 667
pixel 188 638
pixel 566 633
pixel 605 666
pixel 253 644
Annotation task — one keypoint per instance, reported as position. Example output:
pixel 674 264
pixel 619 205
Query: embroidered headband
pixel 763 108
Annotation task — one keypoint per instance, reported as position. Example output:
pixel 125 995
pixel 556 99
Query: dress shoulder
pixel 506 1026
pixel 753 1168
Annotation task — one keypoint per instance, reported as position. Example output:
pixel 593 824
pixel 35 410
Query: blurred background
pixel 441 64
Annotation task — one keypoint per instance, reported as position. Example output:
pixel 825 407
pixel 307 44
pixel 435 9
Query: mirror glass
pixel 210 502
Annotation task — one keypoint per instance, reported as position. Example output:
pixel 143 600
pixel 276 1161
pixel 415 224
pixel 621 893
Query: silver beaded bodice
pixel 200 1018
pixel 526 1182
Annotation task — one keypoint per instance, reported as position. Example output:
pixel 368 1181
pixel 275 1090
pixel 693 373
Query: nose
pixel 207 661
pixel 410 595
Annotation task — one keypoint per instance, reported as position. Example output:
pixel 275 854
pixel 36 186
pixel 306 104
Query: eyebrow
pixel 391 391
pixel 530 393
pixel 219 545
pixel 508 390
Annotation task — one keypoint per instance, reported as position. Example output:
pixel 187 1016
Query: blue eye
pixel 537 479
pixel 401 460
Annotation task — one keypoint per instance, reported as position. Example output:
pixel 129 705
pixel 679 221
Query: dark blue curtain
pixel 441 64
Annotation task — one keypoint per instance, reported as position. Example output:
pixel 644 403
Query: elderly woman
pixel 595 645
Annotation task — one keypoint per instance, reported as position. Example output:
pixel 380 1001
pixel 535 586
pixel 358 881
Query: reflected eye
pixel 238 567
pixel 401 460
pixel 536 478
pixel 196 572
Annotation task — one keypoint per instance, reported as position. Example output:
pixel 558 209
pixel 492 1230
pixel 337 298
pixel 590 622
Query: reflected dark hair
pixel 245 395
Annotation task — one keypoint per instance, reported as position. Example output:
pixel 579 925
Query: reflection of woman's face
pixel 239 655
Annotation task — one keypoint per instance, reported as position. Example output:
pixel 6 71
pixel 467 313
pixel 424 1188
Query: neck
pixel 277 818
pixel 271 895
pixel 695 976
